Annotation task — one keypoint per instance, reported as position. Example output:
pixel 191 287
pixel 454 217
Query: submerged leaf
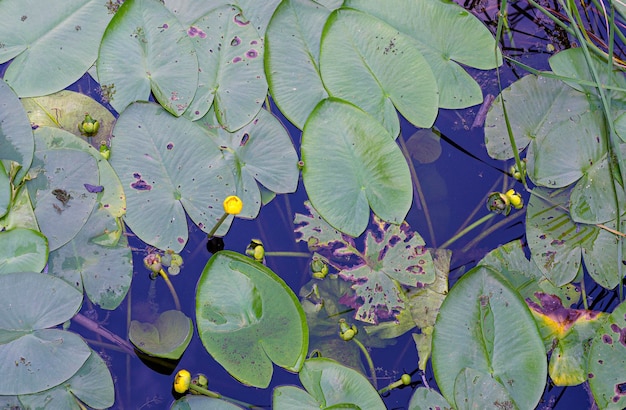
pixel 167 338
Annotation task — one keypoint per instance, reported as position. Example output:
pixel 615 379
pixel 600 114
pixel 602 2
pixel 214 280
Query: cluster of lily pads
pixel 195 139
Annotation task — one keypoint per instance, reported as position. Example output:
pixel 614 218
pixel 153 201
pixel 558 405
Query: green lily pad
pixel 22 250
pixel 261 152
pixel 231 75
pixel 62 204
pixel 168 337
pixel 328 385
pixel 5 191
pixel 447 35
pixel 167 166
pixel 292 48
pixel 56 44
pixel 607 361
pixel 364 168
pixel 146 48
pixel 103 270
pixel 485 326
pixel 371 64
pixel 248 318
pixel 92 385
pixel 477 389
pixel 16 135
pixel 33 358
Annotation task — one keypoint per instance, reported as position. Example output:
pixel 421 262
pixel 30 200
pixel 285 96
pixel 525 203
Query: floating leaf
pixel 365 61
pixel 485 326
pixel 167 166
pixel 104 271
pixel 191 402
pixel 607 361
pixel 314 230
pixel 447 36
pixel 351 163
pixel 260 151
pixel 168 337
pixel 328 385
pixel 146 48
pixel 62 205
pixel 56 44
pixel 566 332
pixel 22 250
pixel 248 318
pixel 232 78
pixel 92 385
pixel 292 56
pixel 21 214
pixel 5 191
pixel 16 135
pixel 477 389
pixel 393 256
pixel 33 358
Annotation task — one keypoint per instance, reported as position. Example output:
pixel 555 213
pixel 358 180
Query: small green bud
pixel 347 332
pixel 256 250
pixel 319 269
pixel 200 380
pixel 153 263
pixel 89 126
pixel 499 203
pixel 406 379
pixel 105 151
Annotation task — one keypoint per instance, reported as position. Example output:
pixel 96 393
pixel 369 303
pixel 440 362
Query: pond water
pixel 455 186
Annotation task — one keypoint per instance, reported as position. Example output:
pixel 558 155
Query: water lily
pixel 182 381
pixel 233 205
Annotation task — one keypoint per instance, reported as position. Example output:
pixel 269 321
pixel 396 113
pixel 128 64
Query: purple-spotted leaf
pixel 567 332
pixel 393 256
pixel 314 230
pixel 607 361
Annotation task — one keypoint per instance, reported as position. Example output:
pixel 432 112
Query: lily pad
pixel 92 385
pixel 447 35
pixel 167 166
pixel 21 214
pixel 62 204
pixel 231 77
pixel 33 358
pixel 328 385
pixel 371 64
pixel 292 47
pixel 146 48
pixel 16 135
pixel 484 325
pixel 22 250
pixel 567 333
pixel 363 167
pixel 5 191
pixel 168 337
pixel 248 318
pixel 202 403
pixel 103 270
pixel 607 361
pixel 56 44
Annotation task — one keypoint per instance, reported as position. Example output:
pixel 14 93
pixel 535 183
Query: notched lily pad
pixel 248 318
pixel 168 337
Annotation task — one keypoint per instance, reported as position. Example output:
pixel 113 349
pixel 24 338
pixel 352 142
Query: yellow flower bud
pixel 233 205
pixel 182 380
pixel 515 199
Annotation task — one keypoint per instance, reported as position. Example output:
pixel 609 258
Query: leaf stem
pixel 466 230
pixel 107 334
pixel 289 254
pixel 217 225
pixel 370 363
pixel 171 287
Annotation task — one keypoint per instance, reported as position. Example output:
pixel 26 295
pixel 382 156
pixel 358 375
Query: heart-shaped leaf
pixel 485 326
pixel 167 166
pixel 146 48
pixel 367 62
pixel 448 36
pixel 232 78
pixel 56 44
pixel 364 168
pixel 22 250
pixel 168 337
pixel 248 317
pixel 33 358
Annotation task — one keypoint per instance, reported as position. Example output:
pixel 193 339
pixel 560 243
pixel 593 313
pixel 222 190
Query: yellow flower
pixel 233 205
pixel 515 199
pixel 182 380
